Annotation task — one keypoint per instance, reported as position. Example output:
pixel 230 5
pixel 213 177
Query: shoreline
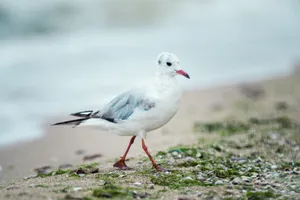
pixel 61 145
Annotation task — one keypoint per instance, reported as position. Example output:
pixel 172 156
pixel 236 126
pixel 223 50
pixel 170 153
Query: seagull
pixel 139 111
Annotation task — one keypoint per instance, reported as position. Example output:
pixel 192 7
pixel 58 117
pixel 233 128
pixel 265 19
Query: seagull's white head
pixel 168 64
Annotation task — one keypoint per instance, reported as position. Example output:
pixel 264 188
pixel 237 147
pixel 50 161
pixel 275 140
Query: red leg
pixel 158 168
pixel 121 163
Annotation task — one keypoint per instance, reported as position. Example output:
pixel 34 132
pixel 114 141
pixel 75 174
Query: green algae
pixel 178 180
pixel 112 190
pixel 261 195
pixel 230 127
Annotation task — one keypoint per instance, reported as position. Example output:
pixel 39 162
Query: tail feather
pixel 86 113
pixel 71 122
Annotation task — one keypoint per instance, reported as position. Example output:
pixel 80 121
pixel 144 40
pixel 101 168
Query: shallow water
pixel 63 56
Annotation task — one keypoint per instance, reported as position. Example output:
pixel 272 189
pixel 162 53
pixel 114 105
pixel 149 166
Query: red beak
pixel 183 73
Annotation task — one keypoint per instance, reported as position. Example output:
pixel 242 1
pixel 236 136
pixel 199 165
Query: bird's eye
pixel 169 64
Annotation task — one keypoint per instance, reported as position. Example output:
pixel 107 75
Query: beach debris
pixel 92 157
pixel 43 170
pixel 64 166
pixel 251 91
pixel 80 152
pixel 86 170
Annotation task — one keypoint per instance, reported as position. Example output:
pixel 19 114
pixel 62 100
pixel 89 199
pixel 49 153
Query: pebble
pixel 137 183
pixel 241 161
pixel 274 167
pixel 187 178
pixel 101 182
pixel 151 186
pixel 77 188
pixel 236 181
pixel 200 178
pixel 175 153
pixel 259 160
pixel 189 159
pixel 43 170
pixel 245 179
pixel 219 182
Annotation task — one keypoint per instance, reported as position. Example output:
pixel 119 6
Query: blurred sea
pixel 61 56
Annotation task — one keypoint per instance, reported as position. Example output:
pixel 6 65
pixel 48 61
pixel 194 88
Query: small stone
pixel 219 182
pixel 241 161
pixel 77 188
pixel 254 175
pixel 274 136
pixel 137 184
pixel 144 195
pixel 198 155
pixel 175 153
pixel 245 179
pixel 200 178
pixel 151 186
pixel 101 182
pixel 259 160
pixel 189 159
pixel 187 178
pixel 134 194
pixel 43 170
pixel 236 181
pixel 274 167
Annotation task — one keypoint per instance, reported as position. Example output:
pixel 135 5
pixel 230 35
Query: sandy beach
pixel 60 145
pixel 66 145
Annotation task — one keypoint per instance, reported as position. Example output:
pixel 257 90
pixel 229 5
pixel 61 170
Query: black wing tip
pixel 71 122
pixel 85 113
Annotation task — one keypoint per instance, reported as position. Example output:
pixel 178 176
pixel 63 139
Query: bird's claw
pixel 160 169
pixel 121 165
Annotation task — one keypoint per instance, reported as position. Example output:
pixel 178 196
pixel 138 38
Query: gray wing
pixel 124 105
